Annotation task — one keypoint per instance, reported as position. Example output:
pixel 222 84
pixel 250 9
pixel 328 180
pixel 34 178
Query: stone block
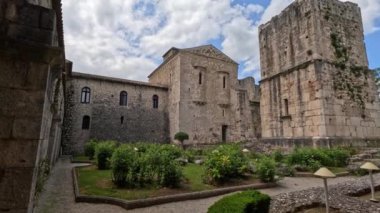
pixel 15 186
pixel 21 103
pixel 5 127
pixel 30 34
pixel 25 75
pixel 47 19
pixel 18 153
pixel 28 15
pixel 27 128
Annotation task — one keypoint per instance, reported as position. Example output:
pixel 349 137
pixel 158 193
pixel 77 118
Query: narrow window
pixel 286 107
pixel 123 98
pixel 85 95
pixel 155 101
pixel 224 81
pixel 200 78
pixel 86 122
pixel 121 119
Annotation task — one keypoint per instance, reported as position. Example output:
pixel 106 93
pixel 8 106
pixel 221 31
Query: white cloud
pixel 127 38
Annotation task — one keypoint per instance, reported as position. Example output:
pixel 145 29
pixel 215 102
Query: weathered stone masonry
pixel 316 85
pixel 198 91
pixel 31 94
pixel 137 121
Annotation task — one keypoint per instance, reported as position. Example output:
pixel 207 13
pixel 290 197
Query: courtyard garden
pixel 143 170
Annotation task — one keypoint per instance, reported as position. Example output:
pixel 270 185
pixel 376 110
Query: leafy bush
pixel 339 156
pixel 136 165
pixel 103 153
pixel 312 159
pixel 278 156
pixel 266 169
pixel 247 201
pixel 181 136
pixel 121 160
pixel 89 149
pixel 225 162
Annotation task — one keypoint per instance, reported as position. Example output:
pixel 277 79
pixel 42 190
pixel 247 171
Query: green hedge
pixel 266 169
pixel 103 153
pixel 315 158
pixel 89 149
pixel 224 163
pixel 135 165
pixel 243 202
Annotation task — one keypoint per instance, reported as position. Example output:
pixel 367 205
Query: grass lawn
pixel 98 182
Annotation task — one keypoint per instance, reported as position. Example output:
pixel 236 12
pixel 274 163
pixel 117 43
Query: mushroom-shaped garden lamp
pixel 370 167
pixel 325 173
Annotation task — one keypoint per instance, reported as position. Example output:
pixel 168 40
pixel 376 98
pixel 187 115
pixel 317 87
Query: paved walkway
pixel 58 196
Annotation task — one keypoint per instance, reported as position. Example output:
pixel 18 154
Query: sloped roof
pixel 209 51
pixel 205 50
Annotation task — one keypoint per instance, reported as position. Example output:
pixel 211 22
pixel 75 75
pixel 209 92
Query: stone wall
pixel 31 66
pixel 205 95
pixel 316 83
pixel 138 121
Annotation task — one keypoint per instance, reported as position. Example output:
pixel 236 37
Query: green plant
pixel 121 160
pixel 103 153
pixel 247 201
pixel 181 137
pixel 89 149
pixel 225 162
pixel 266 169
pixel 135 165
pixel 312 159
pixel 278 156
pixel 42 176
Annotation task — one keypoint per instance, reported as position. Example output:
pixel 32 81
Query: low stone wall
pixel 140 203
pixel 341 197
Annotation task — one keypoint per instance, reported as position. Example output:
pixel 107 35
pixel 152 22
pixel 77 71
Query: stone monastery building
pixel 194 90
pixel 315 89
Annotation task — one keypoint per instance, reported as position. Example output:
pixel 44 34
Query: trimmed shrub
pixel 103 153
pixel 278 156
pixel 312 159
pixel 225 162
pixel 89 149
pixel 266 169
pixel 135 165
pixel 181 136
pixel 121 160
pixel 243 202
pixel 339 156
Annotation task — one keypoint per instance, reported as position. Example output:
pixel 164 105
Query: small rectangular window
pixel 200 78
pixel 286 107
pixel 224 82
pixel 121 119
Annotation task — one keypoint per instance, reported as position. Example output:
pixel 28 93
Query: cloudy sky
pixel 126 38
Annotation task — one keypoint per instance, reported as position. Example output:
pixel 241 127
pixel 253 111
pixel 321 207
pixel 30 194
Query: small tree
pixel 181 136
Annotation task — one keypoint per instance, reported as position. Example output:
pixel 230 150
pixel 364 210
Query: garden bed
pixel 99 183
pixel 95 186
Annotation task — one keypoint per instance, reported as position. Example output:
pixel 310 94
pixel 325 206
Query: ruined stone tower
pixel 316 86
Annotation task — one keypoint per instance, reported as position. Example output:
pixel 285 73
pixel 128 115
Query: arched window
pixel 155 101
pixel 86 122
pixel 85 95
pixel 123 98
pixel 200 78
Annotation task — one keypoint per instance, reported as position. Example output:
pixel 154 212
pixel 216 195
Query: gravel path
pixel 58 196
